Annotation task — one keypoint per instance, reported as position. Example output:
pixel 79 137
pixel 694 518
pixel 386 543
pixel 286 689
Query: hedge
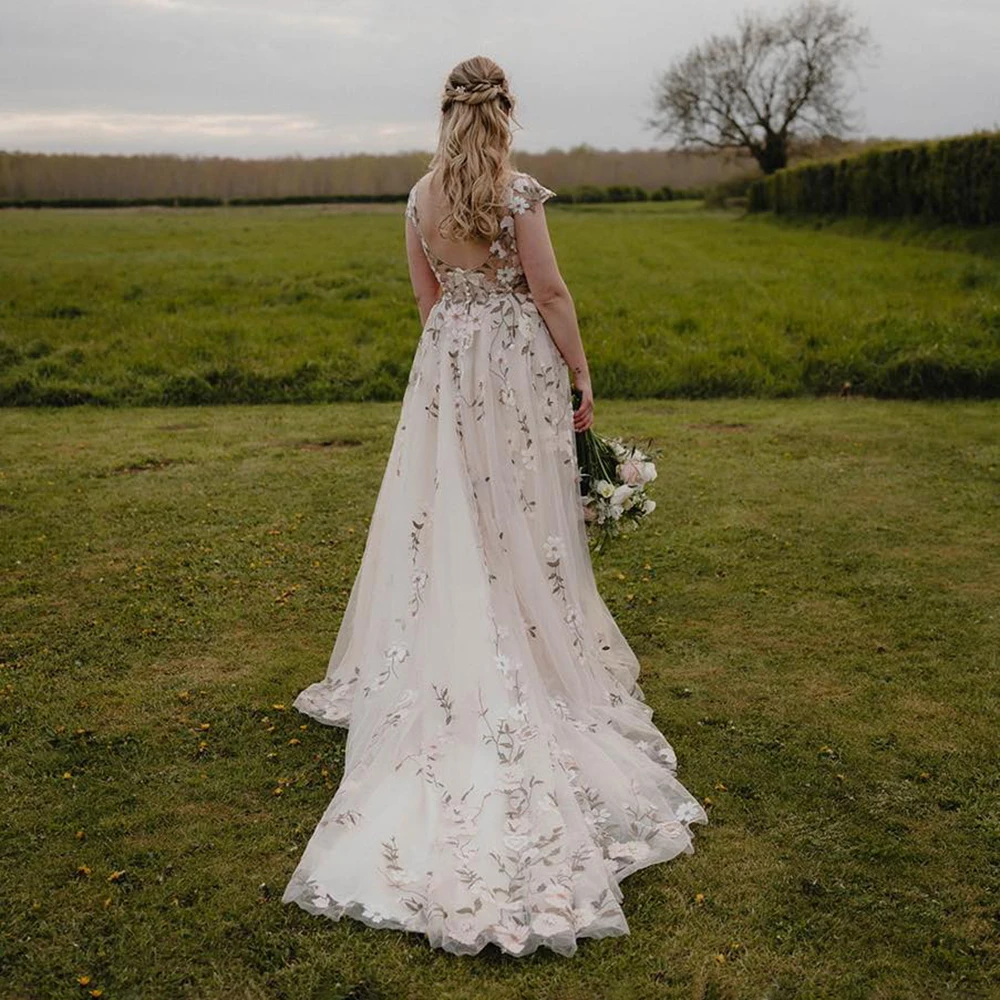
pixel 949 180
pixel 582 194
pixel 188 201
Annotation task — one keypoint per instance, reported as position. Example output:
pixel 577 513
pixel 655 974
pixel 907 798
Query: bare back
pixel 432 206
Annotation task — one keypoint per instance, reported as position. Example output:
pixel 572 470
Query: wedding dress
pixel 502 771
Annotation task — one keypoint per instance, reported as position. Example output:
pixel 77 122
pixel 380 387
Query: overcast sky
pixel 276 77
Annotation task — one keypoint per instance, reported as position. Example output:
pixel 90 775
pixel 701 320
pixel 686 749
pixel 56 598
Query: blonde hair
pixel 474 140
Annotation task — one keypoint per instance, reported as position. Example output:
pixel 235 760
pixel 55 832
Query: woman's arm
pixel 554 303
pixel 425 285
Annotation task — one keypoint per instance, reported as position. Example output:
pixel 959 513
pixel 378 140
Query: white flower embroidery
pixel 396 653
pixel 633 850
pixel 505 275
pixel 549 923
pixel 554 549
pixel 687 811
pixel 517 714
pixel 463 931
pixel 516 842
pixel 512 938
pixel 498 249
pixel 519 204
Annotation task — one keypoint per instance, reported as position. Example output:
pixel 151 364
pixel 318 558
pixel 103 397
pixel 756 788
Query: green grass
pixel 313 304
pixel 982 240
pixel 814 602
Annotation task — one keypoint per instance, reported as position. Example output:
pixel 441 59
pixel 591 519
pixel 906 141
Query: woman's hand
pixel 583 415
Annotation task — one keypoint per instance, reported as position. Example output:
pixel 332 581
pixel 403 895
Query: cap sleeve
pixel 526 193
pixel 411 206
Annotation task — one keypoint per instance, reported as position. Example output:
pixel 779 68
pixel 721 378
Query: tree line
pixel 80 179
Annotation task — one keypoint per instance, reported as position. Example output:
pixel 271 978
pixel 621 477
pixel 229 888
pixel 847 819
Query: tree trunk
pixel 773 155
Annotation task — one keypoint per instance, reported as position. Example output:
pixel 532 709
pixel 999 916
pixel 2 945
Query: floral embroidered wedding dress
pixel 502 771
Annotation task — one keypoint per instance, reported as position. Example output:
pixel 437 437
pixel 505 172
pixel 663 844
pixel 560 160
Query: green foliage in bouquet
pixel 613 479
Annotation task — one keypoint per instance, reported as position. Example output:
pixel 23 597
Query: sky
pixel 263 78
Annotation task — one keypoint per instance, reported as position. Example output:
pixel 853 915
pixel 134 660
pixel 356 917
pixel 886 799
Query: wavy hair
pixel 472 156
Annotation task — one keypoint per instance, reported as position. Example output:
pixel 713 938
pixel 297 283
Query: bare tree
pixel 776 79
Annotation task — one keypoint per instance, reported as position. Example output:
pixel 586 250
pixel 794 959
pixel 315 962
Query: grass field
pixel 313 304
pixel 814 602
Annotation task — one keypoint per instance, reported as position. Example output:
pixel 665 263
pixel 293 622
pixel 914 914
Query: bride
pixel 502 773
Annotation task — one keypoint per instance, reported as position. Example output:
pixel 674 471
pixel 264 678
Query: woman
pixel 502 771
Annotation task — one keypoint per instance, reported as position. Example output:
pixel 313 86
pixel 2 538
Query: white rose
pixel 621 494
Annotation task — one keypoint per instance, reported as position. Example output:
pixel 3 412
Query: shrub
pixel 950 181
pixel 727 192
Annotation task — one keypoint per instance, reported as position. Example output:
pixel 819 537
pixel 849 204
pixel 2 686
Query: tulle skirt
pixel 503 773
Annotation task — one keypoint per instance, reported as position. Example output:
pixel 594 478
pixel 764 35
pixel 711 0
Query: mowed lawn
pixel 814 602
pixel 313 303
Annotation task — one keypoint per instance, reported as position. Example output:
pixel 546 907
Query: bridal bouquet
pixel 613 479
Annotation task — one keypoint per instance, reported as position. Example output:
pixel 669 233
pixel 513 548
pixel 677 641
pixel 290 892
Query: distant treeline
pixel 954 181
pixel 27 178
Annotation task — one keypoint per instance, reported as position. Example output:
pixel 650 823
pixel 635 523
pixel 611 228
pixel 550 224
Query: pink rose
pixel 631 472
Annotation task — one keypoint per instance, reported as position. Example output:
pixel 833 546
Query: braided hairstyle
pixel 472 157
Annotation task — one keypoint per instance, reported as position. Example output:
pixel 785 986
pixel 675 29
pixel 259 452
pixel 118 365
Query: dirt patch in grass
pixel 193 671
pixel 146 465
pixel 719 426
pixel 326 444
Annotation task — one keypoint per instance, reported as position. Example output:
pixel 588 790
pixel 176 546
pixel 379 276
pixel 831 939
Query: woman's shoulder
pixel 526 191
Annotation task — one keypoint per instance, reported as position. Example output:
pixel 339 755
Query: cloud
pixel 126 123
pixel 264 77
pixel 308 15
pixel 261 134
